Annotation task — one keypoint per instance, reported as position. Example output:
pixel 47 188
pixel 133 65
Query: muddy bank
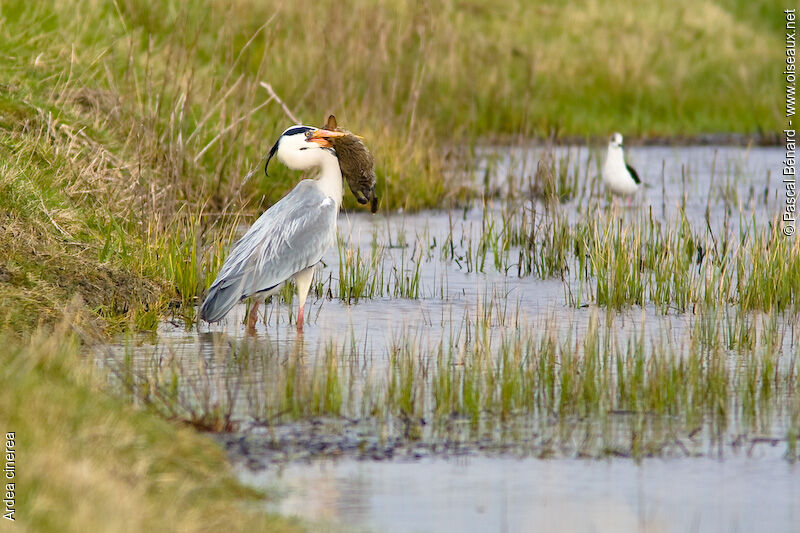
pixel 258 446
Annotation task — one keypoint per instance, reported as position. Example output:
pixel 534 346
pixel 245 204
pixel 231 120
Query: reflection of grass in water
pixel 603 257
pixel 618 258
pixel 527 377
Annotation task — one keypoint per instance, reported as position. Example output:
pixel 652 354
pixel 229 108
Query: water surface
pixel 717 485
pixel 479 494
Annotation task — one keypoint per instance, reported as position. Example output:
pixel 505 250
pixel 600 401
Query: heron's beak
pixel 321 137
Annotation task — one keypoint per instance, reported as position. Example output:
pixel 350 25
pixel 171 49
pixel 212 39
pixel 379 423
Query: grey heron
pixel 288 239
pixel 620 178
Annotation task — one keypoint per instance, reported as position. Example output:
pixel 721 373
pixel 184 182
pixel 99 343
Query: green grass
pixel 132 127
pixel 127 130
pixel 56 247
pixel 618 258
pixel 188 76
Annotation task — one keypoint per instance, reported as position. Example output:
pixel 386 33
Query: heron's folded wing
pixel 290 236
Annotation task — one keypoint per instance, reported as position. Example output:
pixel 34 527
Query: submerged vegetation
pixel 733 384
pixel 710 365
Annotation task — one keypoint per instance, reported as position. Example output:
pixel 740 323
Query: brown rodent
pixel 356 163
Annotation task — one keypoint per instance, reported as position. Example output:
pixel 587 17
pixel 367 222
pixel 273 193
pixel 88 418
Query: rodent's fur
pixel 356 163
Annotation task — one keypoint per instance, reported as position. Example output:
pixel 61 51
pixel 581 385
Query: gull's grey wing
pixel 290 236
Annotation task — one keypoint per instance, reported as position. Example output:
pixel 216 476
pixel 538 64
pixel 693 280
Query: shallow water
pixel 694 178
pixel 734 179
pixel 478 494
pixel 740 492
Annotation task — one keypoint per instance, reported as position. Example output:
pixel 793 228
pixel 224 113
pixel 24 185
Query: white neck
pixel 330 179
pixel 615 152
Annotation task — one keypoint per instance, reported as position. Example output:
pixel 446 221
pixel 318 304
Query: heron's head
pixel 303 147
pixel 615 141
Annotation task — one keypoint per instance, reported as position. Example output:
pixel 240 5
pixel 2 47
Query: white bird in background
pixel 620 178
pixel 289 238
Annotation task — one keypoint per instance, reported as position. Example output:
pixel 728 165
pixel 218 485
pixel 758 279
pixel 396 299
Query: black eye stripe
pixel 297 129
pixel 291 131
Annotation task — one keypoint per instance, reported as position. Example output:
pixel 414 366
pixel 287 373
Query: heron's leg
pixel 303 281
pixel 252 318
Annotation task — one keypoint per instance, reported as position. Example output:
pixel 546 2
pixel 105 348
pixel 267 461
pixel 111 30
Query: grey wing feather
pixel 288 237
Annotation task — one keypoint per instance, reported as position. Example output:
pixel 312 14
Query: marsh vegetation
pixel 525 312
pixel 557 324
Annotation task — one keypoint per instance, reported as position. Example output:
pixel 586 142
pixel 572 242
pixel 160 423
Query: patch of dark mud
pixel 258 446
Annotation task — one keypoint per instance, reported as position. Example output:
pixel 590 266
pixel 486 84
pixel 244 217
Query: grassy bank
pixel 87 462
